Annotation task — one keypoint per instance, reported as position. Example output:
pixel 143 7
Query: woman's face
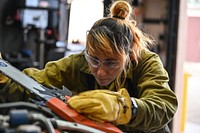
pixel 104 69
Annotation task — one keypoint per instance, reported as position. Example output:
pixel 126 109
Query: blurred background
pixel 33 32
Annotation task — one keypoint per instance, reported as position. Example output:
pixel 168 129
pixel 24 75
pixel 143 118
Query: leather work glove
pixel 103 105
pixel 3 79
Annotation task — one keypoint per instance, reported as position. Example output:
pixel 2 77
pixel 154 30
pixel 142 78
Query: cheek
pixel 115 73
pixel 92 69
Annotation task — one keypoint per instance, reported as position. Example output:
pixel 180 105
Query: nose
pixel 101 71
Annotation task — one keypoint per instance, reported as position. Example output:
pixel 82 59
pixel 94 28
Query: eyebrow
pixel 111 60
pixel 107 59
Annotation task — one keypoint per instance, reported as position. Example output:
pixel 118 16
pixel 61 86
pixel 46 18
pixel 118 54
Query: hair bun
pixel 120 9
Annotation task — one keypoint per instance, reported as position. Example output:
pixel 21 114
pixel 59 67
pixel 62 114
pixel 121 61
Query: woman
pixel 115 79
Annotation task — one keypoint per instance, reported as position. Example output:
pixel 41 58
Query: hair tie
pixel 118 17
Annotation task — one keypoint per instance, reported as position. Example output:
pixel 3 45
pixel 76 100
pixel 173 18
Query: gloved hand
pixel 103 105
pixel 3 79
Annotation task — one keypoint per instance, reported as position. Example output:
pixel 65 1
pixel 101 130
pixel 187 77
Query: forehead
pixel 100 46
pixel 102 55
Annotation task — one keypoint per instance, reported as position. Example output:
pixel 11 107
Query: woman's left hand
pixel 103 105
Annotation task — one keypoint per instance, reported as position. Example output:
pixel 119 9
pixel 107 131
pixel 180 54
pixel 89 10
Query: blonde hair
pixel 118 36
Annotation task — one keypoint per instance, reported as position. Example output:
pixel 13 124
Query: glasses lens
pixel 111 64
pixel 96 63
pixel 92 61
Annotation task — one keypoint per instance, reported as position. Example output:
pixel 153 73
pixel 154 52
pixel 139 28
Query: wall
pixel 83 14
pixel 155 14
pixel 181 49
pixel 193 41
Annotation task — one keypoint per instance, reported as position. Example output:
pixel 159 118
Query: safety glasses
pixel 111 64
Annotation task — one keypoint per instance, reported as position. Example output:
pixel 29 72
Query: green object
pixel 147 84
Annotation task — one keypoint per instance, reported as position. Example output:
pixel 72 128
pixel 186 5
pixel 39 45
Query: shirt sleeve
pixel 62 72
pixel 55 74
pixel 157 103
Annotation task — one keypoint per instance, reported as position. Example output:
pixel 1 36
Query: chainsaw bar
pixel 30 84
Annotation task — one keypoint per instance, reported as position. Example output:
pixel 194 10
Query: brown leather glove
pixel 103 105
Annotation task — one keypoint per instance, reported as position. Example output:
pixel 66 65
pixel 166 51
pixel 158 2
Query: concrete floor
pixel 193 98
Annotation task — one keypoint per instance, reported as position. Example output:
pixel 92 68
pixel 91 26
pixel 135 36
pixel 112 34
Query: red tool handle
pixel 64 111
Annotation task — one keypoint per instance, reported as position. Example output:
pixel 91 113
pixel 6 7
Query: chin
pixel 103 83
